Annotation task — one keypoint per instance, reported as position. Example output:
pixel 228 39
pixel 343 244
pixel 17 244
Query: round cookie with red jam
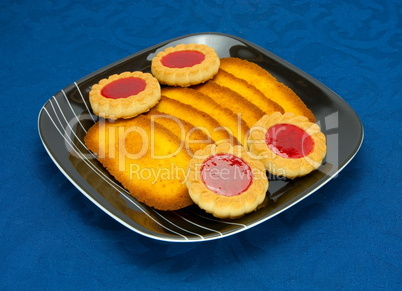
pixel 185 65
pixel 226 181
pixel 124 95
pixel 288 145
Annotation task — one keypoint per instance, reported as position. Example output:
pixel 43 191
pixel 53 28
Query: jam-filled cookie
pixel 288 145
pixel 185 65
pixel 226 181
pixel 124 95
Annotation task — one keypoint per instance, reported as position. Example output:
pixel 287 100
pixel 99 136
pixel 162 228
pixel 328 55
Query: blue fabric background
pixel 347 235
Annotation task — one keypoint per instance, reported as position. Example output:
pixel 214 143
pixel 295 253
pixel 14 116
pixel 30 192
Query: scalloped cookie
pixel 226 181
pixel 124 95
pixel 185 65
pixel 288 145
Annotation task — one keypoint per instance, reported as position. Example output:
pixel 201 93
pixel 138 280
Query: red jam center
pixel 226 174
pixel 123 88
pixel 182 59
pixel 289 141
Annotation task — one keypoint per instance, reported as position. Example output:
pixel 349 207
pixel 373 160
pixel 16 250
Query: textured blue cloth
pixel 347 235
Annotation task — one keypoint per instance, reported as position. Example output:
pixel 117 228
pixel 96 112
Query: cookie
pixel 248 91
pixel 268 85
pixel 225 97
pixel 185 65
pixel 198 118
pixel 288 145
pixel 226 118
pixel 145 157
pixel 124 95
pixel 226 181
pixel 191 137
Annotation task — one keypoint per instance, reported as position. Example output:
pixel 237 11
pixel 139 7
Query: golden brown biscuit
pixel 124 95
pixel 268 85
pixel 248 112
pixel 288 145
pixel 248 91
pixel 226 181
pixel 199 118
pixel 191 137
pixel 145 158
pixel 225 117
pixel 185 65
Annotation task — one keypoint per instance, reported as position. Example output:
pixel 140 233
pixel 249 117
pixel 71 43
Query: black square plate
pixel 66 116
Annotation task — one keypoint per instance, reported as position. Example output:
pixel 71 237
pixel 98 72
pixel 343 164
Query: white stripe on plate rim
pixel 122 189
pixel 72 110
pixel 83 100
pixel 105 178
pixel 220 221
